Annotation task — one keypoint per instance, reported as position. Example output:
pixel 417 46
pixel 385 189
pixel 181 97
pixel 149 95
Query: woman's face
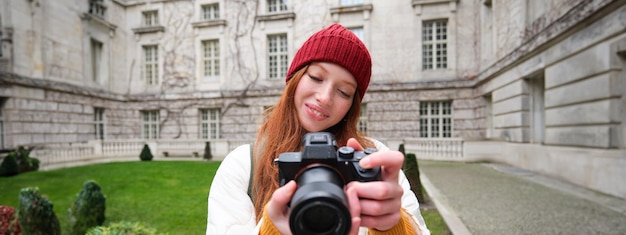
pixel 324 96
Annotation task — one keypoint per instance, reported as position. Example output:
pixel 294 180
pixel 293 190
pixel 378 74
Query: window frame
pixel 434 48
pixel 96 58
pixel 210 11
pixel 210 123
pixel 150 122
pixel 151 64
pixel 213 57
pixel 277 56
pixel 99 122
pixel 150 18
pixel 276 6
pixel 434 122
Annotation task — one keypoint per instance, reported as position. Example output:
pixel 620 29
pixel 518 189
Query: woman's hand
pixel 278 211
pixel 379 201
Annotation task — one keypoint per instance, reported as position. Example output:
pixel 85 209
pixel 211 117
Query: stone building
pixel 535 84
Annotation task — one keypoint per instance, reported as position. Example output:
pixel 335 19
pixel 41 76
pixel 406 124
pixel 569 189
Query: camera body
pixel 321 148
pixel 319 205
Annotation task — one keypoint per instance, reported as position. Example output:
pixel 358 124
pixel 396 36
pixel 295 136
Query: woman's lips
pixel 315 112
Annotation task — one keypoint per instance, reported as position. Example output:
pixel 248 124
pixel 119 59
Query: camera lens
pixel 319 218
pixel 319 205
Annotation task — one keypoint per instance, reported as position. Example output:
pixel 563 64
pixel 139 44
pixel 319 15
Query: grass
pixel 434 221
pixel 170 196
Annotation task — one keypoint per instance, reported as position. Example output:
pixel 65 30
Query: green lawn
pixel 170 196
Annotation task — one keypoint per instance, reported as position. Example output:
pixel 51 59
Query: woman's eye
pixel 315 78
pixel 344 94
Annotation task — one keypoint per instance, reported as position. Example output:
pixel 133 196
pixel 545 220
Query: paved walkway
pixel 481 198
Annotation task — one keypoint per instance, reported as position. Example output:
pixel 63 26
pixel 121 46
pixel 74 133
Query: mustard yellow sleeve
pixel 406 225
pixel 267 227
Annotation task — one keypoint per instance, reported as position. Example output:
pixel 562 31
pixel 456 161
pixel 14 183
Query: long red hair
pixel 281 132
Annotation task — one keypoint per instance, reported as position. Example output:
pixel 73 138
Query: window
pixel 150 18
pixel 536 87
pixel 211 58
pixel 211 11
pixel 151 65
pixel 2 101
pixel 96 59
pixel 435 45
pixel 363 119
pixel 150 124
pixel 358 31
pixel 210 123
pixel 277 61
pixel 436 119
pixel 97 8
pixel 98 117
pixel 351 2
pixel 276 5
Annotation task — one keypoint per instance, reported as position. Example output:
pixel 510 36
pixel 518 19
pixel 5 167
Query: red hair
pixel 281 132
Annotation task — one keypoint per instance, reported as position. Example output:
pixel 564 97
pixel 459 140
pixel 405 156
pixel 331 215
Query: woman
pixel 326 82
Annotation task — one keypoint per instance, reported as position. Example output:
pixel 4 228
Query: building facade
pixel 536 84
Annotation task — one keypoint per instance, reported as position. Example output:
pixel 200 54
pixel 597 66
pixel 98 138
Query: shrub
pixel 123 227
pixel 146 154
pixel 25 162
pixel 401 149
pixel 36 215
pixel 88 209
pixel 9 166
pixel 8 221
pixel 412 172
pixel 207 151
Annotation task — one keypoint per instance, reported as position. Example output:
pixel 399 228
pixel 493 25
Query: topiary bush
pixel 207 151
pixel 88 209
pixel 412 172
pixel 9 166
pixel 17 162
pixel 123 227
pixel 146 154
pixel 36 215
pixel 8 221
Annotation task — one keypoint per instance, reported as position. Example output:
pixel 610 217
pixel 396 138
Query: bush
pixel 126 228
pixel 88 209
pixel 36 215
pixel 146 154
pixel 8 221
pixel 9 166
pixel 412 172
pixel 401 149
pixel 207 151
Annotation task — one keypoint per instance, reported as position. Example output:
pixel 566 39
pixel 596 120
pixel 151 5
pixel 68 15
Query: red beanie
pixel 338 45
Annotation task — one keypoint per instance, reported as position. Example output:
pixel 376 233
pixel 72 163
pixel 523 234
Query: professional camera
pixel 319 205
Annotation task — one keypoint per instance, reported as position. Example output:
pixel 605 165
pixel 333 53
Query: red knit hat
pixel 338 45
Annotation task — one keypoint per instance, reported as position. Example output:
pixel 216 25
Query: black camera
pixel 319 205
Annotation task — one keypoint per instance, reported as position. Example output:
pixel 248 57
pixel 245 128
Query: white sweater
pixel 230 209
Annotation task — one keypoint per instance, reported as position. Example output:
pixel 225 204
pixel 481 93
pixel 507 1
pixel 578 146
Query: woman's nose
pixel 325 95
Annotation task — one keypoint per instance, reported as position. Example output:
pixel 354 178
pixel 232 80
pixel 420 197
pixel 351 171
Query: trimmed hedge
pixel 412 172
pixel 88 209
pixel 146 154
pixel 36 214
